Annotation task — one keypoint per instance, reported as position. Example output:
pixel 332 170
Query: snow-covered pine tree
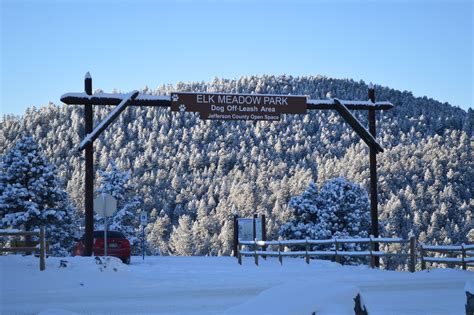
pixel 470 236
pixel 158 233
pixel 343 209
pixel 31 196
pixel 305 217
pixel 340 209
pixel 116 183
pixel 181 239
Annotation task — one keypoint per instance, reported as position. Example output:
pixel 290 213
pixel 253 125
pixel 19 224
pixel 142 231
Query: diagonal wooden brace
pixel 357 126
pixel 89 139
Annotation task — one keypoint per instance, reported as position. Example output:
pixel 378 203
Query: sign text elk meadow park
pixel 238 106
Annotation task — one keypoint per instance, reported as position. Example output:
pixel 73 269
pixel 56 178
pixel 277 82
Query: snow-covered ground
pixel 218 285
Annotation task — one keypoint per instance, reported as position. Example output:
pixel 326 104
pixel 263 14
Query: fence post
pixel 371 246
pixel 264 234
pixel 337 258
pixel 239 255
pixel 236 234
pixel 423 262
pixel 42 249
pixel 307 255
pixel 412 253
pixel 255 249
pixel 463 257
pixel 280 249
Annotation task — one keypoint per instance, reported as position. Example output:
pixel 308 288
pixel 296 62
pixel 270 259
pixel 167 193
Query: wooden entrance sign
pixel 220 106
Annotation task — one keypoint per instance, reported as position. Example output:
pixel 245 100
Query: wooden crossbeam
pixel 165 101
pixel 357 126
pixel 108 120
pixel 19 233
pixel 19 249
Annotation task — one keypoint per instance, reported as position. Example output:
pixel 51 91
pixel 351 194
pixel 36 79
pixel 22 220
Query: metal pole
pixel 373 178
pixel 105 236
pixel 143 241
pixel 42 249
pixel 105 225
pixel 89 175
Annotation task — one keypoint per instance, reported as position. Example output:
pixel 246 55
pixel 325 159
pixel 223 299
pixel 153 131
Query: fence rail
pixel 465 251
pixel 259 249
pixel 41 248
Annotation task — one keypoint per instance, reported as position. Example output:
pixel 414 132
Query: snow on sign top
pixel 220 106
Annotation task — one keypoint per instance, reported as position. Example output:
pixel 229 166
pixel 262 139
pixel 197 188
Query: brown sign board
pixel 220 106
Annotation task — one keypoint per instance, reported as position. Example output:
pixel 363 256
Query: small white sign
pixel 105 205
pixel 143 218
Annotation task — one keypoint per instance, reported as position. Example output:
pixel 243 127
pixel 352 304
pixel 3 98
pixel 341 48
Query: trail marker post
pixel 143 222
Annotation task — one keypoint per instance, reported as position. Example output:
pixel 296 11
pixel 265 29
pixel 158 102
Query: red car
pixel 117 246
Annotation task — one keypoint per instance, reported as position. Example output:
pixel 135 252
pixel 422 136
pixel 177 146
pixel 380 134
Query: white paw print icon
pixel 182 108
pixel 175 98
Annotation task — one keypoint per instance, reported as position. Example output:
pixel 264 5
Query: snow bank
pixel 469 287
pixel 215 285
pixel 301 298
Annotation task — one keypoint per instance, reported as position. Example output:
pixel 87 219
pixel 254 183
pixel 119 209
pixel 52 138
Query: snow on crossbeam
pixel 330 104
pixel 443 259
pixel 82 98
pixel 327 241
pixel 442 248
pixel 115 99
pixel 108 120
pixel 12 232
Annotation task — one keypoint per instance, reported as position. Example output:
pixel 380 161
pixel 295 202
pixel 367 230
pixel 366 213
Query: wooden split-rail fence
pixel 454 255
pixel 260 249
pixel 41 248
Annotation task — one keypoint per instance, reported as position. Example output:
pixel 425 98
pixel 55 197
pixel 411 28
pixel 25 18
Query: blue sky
pixel 47 46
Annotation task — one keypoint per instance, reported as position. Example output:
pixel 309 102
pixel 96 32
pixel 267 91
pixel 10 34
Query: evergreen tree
pixel 340 209
pixel 303 223
pixel 343 209
pixel 181 241
pixel 31 196
pixel 157 238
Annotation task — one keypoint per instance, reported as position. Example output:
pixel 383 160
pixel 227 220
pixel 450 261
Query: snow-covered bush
pixel 31 196
pixel 343 209
pixel 340 209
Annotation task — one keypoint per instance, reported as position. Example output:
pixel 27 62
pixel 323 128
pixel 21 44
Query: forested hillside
pixel 190 173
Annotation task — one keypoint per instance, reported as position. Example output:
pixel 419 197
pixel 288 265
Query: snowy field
pixel 218 285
